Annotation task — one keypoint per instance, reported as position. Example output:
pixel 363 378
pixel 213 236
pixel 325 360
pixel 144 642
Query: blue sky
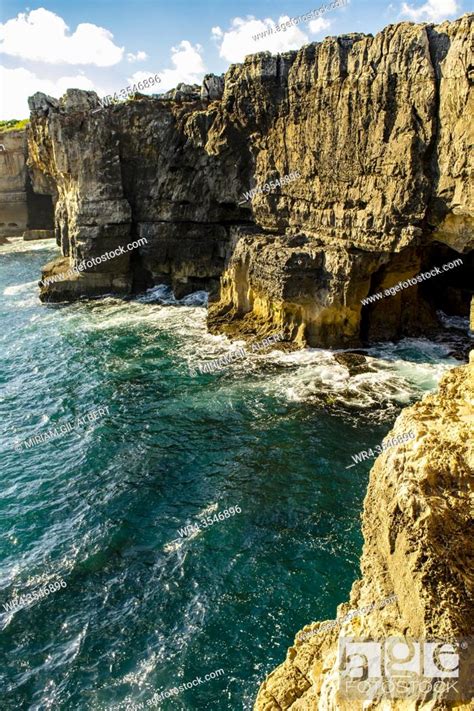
pixel 107 45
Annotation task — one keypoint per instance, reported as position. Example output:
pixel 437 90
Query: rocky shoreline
pixel 417 527
pixel 378 130
pixel 316 199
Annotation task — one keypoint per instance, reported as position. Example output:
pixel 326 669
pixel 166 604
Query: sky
pixel 109 45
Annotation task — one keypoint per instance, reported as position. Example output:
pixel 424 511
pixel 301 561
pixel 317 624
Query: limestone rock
pixel 212 87
pixel 417 526
pixel 68 286
pixel 20 207
pixel 379 131
pixel 40 104
pixel 37 234
pixel 355 363
pixel 184 92
pixel 13 176
pixel 79 100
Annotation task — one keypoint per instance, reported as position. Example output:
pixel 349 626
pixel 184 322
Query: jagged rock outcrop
pixel 212 87
pixel 377 127
pixel 20 208
pixel 418 533
pixel 183 92
pixel 353 107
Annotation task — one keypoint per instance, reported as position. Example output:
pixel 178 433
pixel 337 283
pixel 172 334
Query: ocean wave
pixel 19 288
pixel 460 323
pixel 18 244
pixel 163 294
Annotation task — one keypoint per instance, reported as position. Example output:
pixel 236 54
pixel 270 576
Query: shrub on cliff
pixel 13 125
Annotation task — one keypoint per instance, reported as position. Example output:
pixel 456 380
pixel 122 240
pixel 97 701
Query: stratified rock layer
pixel 21 210
pixel 13 207
pixel 378 129
pixel 418 545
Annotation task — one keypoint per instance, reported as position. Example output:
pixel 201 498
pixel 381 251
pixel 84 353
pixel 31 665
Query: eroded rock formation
pixel 13 208
pixel 21 210
pixel 379 130
pixel 418 532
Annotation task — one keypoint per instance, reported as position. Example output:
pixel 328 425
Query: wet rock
pixel 38 234
pixel 354 362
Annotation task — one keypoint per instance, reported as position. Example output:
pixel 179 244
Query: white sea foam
pixel 19 288
pixel 18 244
pixel 396 373
pixel 394 381
pixel 177 543
pixel 194 529
pixel 197 298
pixel 163 294
pixel 23 295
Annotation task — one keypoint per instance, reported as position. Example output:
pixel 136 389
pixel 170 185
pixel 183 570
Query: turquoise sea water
pixel 145 610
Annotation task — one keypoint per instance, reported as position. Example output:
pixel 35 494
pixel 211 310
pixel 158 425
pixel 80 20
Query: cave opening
pixel 452 290
pixel 421 302
pixel 40 209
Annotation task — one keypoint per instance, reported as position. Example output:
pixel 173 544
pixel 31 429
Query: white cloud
pixel 43 36
pixel 237 42
pixel 319 25
pixel 18 84
pixel 189 67
pixel 431 11
pixel 140 76
pixel 138 57
pixel 216 32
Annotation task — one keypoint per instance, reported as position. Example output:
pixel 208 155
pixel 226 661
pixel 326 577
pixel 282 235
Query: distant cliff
pixel 380 131
pixel 13 207
pixel 21 210
pixel 418 546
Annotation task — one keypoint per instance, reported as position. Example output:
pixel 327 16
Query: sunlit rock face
pixel 378 130
pixel 416 565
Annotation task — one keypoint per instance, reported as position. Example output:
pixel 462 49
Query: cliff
pixel 418 532
pixel 379 131
pixel 21 210
pixel 13 209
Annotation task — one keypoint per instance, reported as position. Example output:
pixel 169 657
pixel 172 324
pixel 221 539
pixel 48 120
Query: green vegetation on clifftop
pixel 13 125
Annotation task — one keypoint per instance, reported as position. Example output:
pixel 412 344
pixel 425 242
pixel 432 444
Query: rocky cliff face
pixel 418 529
pixel 378 129
pixel 13 208
pixel 21 210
